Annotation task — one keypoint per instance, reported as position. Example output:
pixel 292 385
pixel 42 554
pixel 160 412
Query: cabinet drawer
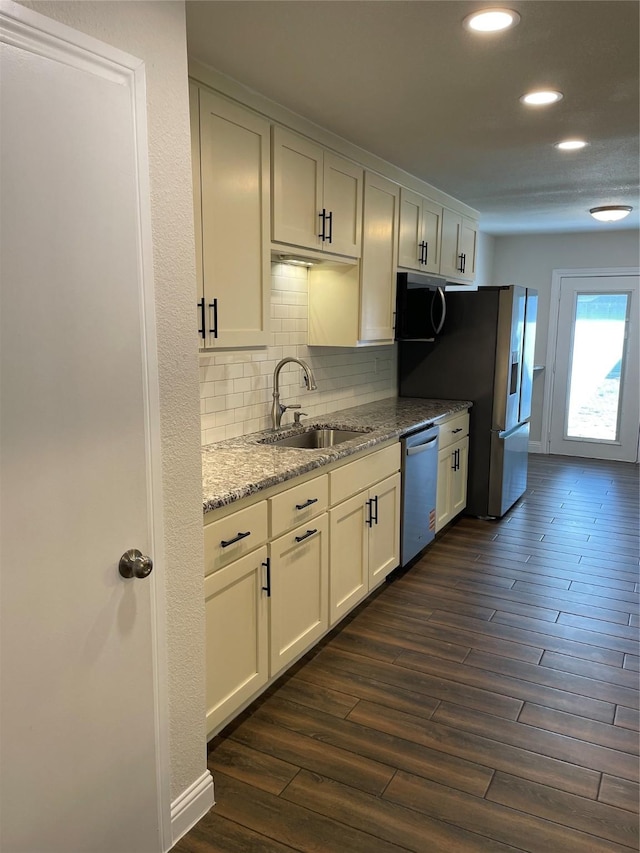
pixel 453 430
pixel 297 504
pixel 358 475
pixel 234 536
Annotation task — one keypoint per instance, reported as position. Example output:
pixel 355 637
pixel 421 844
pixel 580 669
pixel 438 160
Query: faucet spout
pixel 277 409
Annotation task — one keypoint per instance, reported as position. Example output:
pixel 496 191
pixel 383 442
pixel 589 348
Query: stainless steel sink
pixel 314 439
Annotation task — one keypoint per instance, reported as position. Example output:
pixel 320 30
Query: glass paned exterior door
pixel 597 362
pixel 595 382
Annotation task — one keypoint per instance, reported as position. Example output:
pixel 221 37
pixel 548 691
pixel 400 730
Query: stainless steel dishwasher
pixel 419 486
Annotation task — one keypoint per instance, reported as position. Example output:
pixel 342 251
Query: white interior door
pixel 594 401
pixel 78 709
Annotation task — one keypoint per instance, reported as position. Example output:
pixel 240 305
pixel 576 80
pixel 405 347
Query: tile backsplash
pixel 236 385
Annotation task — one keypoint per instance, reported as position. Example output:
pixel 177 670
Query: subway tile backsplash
pixel 236 385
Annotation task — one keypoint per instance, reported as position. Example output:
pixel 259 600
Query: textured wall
pixel 485 259
pixel 155 32
pixel 530 261
pixel 236 386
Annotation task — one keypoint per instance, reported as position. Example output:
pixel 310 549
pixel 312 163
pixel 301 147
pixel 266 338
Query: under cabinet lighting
pixel 491 20
pixel 611 212
pixel 295 261
pixel 541 98
pixel 571 144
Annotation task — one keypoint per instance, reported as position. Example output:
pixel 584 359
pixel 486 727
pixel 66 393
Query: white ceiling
pixel 404 80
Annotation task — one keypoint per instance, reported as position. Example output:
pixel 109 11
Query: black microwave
pixel 420 307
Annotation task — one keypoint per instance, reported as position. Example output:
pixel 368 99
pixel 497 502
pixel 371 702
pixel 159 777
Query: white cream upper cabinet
pixel 231 162
pixel 420 232
pixel 431 235
pixel 343 206
pixel 458 246
pixel 317 196
pixel 379 259
pixel 351 305
pixel 409 249
pixel 297 190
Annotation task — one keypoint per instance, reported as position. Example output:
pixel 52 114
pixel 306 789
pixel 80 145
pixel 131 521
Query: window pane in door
pixel 596 366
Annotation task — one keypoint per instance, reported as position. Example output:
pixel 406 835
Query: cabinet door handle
pixel 267 565
pixel 422 259
pixel 330 235
pixel 306 535
pixel 461 267
pixel 225 543
pixel 202 330
pixel 214 307
pixel 369 518
pixel 426 251
pixel 323 217
pixel 307 503
pixel 459 429
pixel 374 513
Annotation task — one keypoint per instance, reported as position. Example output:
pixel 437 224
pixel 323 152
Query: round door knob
pixel 134 564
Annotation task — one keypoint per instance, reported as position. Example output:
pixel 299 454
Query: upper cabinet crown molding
pixel 285 117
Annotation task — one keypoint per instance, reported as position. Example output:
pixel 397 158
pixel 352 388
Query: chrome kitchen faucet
pixel 277 409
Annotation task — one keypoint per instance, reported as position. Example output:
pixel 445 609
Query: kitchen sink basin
pixel 314 439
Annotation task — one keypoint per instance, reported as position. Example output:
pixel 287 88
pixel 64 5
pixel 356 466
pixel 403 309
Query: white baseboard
pixel 536 447
pixel 191 805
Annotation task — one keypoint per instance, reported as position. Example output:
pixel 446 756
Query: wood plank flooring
pixel 484 700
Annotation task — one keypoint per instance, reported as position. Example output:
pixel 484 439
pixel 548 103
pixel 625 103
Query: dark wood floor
pixel 485 700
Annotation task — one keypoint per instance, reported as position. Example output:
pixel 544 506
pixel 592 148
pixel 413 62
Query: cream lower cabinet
pixel 275 569
pixel 364 528
pixel 453 461
pixel 299 575
pixel 237 632
pixel 365 544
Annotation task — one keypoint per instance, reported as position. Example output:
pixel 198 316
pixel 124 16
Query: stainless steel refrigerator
pixel 483 354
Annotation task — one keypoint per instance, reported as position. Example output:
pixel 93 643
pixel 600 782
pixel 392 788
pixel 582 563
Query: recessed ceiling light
pixel 611 212
pixel 571 144
pixel 541 98
pixel 491 20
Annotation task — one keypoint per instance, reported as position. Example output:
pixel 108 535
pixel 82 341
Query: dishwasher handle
pixel 420 448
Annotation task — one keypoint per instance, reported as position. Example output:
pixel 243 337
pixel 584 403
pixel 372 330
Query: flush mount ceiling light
pixel 541 98
pixel 611 212
pixel 571 144
pixel 491 20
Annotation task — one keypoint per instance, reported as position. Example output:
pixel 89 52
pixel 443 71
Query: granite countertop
pixel 239 467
